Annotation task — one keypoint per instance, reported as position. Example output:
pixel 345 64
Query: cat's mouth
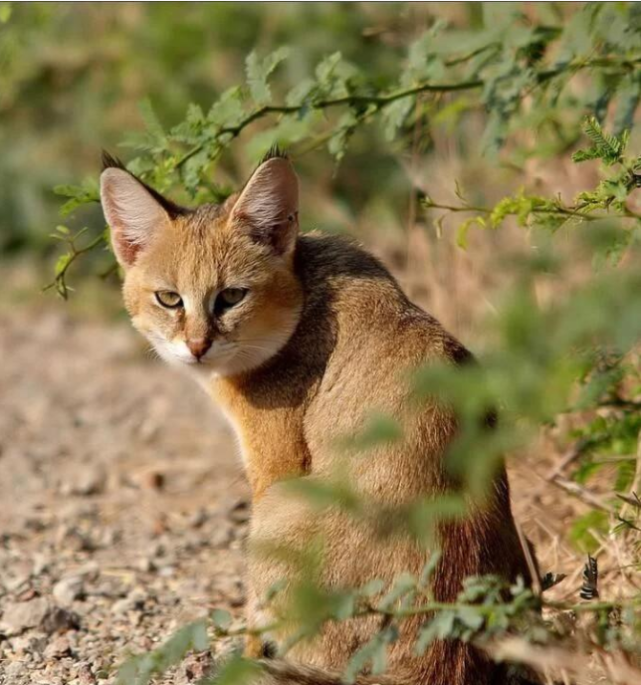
pixel 217 359
pixel 223 358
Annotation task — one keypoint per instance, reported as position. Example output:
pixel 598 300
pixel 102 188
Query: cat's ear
pixel 268 205
pixel 133 211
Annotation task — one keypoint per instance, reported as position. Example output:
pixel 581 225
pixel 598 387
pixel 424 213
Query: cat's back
pixel 377 337
pixel 350 293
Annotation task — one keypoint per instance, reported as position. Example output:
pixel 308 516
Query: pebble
pixel 29 644
pixel 85 676
pixel 59 620
pixel 66 590
pixel 14 669
pixel 134 601
pixel 122 606
pixel 58 648
pixel 19 616
pixel 88 482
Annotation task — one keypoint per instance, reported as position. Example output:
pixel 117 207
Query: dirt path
pixel 124 505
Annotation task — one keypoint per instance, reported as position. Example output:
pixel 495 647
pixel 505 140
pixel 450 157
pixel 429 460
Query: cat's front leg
pixel 257 642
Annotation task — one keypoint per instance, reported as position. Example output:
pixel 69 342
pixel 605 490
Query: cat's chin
pixel 229 362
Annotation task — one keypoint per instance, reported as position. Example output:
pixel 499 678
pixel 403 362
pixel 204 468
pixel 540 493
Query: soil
pixel 124 503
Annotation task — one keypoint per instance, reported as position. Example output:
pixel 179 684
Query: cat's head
pixel 212 288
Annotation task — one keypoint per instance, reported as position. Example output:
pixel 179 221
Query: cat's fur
pixel 323 337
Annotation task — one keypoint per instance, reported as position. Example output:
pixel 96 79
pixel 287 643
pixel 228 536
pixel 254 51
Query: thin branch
pixel 381 101
pixel 59 281
pixel 583 494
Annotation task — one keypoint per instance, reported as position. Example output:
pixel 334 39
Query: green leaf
pixel 228 109
pixel 439 628
pixel 334 76
pixel 586 155
pixel 154 127
pixel 221 619
pixel 429 568
pixel 379 429
pixel 609 147
pixel 464 228
pixel 470 618
pixel 327 67
pixel 404 584
pixel 62 262
pixel 372 588
pixel 237 671
pixel 374 652
pixel 580 532
pixel 395 115
pixel 80 195
pixel 258 72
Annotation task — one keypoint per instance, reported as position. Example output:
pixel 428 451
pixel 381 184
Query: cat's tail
pixel 279 672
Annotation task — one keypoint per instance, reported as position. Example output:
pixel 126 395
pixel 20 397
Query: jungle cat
pixel 298 338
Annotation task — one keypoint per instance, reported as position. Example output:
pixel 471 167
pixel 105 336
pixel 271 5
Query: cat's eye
pixel 229 297
pixel 169 299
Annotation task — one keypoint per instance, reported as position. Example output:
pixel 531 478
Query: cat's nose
pixel 198 346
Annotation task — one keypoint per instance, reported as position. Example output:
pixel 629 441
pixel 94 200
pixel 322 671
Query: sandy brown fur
pixel 356 337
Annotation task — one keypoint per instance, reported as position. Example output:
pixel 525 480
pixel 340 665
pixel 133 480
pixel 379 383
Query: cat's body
pixel 327 337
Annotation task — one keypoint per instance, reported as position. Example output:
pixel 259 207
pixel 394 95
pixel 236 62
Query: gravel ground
pixel 124 505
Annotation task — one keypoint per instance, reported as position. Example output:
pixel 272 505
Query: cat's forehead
pixel 201 251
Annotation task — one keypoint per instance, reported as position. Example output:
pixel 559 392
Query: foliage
pixel 510 73
pixel 536 86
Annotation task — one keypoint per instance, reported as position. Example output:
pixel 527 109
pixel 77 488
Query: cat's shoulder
pixel 322 255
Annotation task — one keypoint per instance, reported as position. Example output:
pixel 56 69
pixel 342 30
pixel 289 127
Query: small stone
pixel 160 525
pixel 197 666
pixel 27 594
pixel 137 598
pixel 59 620
pixel 66 590
pixel 69 537
pixel 88 482
pixel 29 645
pixel 85 676
pixel 18 583
pixel 40 564
pixel 154 480
pixel 146 565
pixel 122 606
pixel 198 518
pixel 58 648
pixel 19 616
pixel 222 535
pixel 14 669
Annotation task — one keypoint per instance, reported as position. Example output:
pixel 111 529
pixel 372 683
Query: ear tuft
pixel 268 205
pixel 274 152
pixel 110 162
